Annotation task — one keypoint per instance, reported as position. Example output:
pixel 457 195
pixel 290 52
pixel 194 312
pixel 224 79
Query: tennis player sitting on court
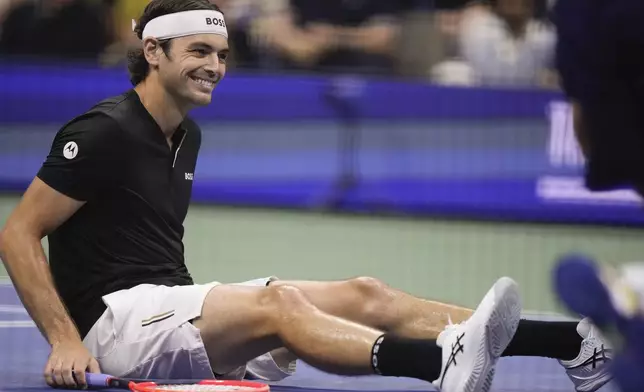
pixel 117 297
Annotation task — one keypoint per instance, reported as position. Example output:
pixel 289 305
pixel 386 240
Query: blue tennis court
pixel 24 353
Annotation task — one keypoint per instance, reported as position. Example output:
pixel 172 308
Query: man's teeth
pixel 204 82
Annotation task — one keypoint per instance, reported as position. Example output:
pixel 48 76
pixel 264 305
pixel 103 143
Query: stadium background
pixel 458 181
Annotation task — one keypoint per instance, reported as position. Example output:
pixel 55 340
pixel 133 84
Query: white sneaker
pixel 589 371
pixel 471 349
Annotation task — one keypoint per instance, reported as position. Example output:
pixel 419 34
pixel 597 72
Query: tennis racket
pixel 102 381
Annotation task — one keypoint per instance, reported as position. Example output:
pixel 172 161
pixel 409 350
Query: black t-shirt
pixel 137 191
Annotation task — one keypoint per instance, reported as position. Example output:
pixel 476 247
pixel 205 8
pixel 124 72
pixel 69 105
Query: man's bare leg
pixel 370 302
pixel 240 323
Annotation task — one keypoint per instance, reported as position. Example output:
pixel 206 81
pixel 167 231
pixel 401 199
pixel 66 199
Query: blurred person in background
pixel 599 59
pixel 244 18
pixel 329 35
pixel 56 29
pixel 447 67
pixel 503 43
pixel 427 35
pixel 121 13
pixel 600 62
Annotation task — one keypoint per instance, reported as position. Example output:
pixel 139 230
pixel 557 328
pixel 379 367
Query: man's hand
pixel 67 365
pixel 377 36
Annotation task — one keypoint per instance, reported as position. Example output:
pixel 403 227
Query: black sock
pixel 551 339
pixel 400 357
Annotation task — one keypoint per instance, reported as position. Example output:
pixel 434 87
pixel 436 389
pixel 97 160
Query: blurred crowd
pixel 455 42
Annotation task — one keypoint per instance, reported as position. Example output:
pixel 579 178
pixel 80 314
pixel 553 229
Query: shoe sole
pixel 595 384
pixel 579 371
pixel 502 323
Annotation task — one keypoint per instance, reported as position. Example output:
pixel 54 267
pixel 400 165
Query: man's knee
pixel 375 298
pixel 252 312
pixel 284 301
pixel 368 287
pixel 367 299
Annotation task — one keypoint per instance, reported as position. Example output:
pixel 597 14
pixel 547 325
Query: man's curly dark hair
pixel 137 65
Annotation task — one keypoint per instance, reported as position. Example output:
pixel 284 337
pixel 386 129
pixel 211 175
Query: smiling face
pixel 193 67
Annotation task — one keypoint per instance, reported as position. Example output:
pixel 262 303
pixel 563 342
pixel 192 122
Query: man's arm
pixel 377 36
pixel 41 210
pixel 76 169
pixel 276 28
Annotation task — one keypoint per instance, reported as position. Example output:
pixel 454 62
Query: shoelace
pixel 449 328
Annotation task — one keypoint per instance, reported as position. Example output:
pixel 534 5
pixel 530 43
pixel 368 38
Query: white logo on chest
pixel 190 176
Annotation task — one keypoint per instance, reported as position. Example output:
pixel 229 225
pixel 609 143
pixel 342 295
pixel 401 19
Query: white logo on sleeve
pixel 71 150
pixel 190 176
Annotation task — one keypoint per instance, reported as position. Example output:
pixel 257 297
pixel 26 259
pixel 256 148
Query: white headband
pixel 185 23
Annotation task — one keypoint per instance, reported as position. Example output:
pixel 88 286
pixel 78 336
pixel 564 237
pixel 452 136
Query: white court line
pixel 12 309
pixel 5 281
pixel 17 324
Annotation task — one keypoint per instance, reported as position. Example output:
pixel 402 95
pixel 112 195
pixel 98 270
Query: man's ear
pixel 152 51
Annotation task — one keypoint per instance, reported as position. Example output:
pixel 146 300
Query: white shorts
pixel 146 332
